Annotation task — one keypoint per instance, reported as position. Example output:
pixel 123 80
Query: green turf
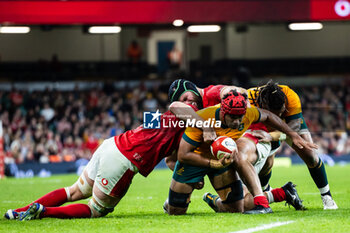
pixel 141 208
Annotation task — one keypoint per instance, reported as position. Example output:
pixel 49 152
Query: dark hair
pixel 272 96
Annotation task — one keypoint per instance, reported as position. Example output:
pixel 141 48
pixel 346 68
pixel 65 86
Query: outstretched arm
pixel 274 121
pixel 170 161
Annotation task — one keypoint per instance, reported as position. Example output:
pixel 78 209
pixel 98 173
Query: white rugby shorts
pixel 110 169
pixel 263 150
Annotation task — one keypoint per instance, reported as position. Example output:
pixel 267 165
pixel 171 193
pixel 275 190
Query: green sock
pixel 319 176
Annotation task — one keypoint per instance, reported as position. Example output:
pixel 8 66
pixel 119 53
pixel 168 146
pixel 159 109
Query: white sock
pixel 325 189
pixel 270 197
pixel 68 193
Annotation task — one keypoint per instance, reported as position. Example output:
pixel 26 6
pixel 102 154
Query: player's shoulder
pixel 252 113
pixel 209 111
pixel 289 92
pixel 252 110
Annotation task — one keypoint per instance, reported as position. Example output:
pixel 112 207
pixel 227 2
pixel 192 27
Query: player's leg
pixel 243 164
pixel 230 192
pixel 81 189
pixel 185 179
pixel 112 173
pixel 178 199
pixel 266 173
pixel 317 171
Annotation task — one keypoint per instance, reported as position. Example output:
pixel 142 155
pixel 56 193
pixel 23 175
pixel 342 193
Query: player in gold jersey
pixel 284 102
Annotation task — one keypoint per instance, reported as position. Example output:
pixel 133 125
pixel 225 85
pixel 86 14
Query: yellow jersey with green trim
pixel 293 104
pixel 194 136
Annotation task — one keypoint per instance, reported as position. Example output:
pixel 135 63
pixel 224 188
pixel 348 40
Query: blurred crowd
pixel 64 126
pixel 326 112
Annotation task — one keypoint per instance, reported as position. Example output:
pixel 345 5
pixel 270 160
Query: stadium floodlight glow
pixel 178 22
pixel 305 26
pixel 14 29
pixel 204 28
pixel 104 29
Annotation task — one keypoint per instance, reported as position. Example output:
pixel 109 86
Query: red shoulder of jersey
pixel 145 148
pixel 211 95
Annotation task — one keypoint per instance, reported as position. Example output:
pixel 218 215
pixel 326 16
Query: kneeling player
pixel 258 152
pixel 194 157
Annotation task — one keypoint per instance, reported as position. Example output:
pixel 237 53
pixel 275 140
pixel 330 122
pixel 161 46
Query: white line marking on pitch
pixel 263 227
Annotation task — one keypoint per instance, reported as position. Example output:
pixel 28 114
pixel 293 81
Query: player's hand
pixel 209 135
pixel 301 143
pixel 262 135
pixel 221 163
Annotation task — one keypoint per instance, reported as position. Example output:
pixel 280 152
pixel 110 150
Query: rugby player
pixel 194 159
pixel 284 102
pixel 256 142
pixel 109 173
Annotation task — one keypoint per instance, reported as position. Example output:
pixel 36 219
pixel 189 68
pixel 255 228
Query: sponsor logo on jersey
pixel 104 181
pixel 180 171
pixel 137 157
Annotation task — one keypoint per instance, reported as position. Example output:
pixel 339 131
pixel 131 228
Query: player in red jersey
pixel 108 175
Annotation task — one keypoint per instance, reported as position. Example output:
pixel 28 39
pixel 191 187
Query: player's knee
pixel 231 193
pixel 178 203
pixel 239 159
pixel 99 208
pixel 232 197
pixel 81 189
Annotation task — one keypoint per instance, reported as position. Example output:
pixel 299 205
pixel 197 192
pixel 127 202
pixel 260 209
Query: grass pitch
pixel 141 208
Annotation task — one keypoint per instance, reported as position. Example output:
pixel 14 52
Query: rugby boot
pixel 11 215
pixel 210 199
pixel 33 212
pixel 259 210
pixel 292 197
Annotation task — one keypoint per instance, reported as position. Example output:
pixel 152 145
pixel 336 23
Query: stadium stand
pixel 53 126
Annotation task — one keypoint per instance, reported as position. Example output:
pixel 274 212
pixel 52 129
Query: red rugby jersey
pixel 211 95
pixel 145 148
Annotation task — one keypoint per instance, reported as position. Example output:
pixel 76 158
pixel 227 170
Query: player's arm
pixel 187 156
pixel 185 112
pixel 264 136
pixel 294 122
pixel 274 121
pixel 170 161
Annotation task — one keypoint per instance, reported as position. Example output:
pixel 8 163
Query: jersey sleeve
pixel 253 114
pixel 193 136
pixel 293 108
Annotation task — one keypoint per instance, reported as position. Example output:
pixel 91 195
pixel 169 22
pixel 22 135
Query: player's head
pixel 272 98
pixel 185 91
pixel 233 108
